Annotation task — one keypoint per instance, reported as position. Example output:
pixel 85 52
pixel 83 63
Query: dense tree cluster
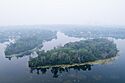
pixel 29 41
pixel 77 52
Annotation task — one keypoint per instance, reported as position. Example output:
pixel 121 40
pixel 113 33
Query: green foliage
pixel 29 41
pixel 77 52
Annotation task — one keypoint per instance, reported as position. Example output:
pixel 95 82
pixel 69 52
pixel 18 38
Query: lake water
pixel 61 40
pixel 17 70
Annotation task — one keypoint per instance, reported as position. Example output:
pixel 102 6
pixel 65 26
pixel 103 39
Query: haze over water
pixel 17 70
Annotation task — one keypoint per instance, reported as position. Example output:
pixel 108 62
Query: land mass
pixel 25 43
pixel 76 53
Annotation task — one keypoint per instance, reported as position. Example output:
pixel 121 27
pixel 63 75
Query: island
pixel 27 41
pixel 75 53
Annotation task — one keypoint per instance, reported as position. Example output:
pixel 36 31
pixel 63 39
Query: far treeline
pixel 77 52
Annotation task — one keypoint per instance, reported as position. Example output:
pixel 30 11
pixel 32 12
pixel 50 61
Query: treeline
pixel 29 40
pixel 77 52
pixel 96 32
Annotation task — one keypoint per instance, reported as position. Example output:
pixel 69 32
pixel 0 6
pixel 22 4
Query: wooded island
pixel 76 52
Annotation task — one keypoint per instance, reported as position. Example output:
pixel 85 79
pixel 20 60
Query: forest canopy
pixel 76 52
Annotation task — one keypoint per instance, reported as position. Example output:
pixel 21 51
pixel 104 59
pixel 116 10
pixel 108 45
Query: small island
pixel 75 53
pixel 26 43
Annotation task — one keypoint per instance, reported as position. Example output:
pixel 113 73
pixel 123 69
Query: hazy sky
pixel 84 12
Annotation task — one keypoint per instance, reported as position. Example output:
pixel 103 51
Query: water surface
pixel 17 70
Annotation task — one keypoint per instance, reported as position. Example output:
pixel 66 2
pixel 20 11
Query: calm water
pixel 61 40
pixel 17 70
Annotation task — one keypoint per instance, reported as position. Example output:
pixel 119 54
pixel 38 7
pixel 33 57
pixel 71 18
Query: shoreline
pixel 103 61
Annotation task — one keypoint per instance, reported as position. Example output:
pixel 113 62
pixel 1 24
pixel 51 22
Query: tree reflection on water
pixel 56 70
